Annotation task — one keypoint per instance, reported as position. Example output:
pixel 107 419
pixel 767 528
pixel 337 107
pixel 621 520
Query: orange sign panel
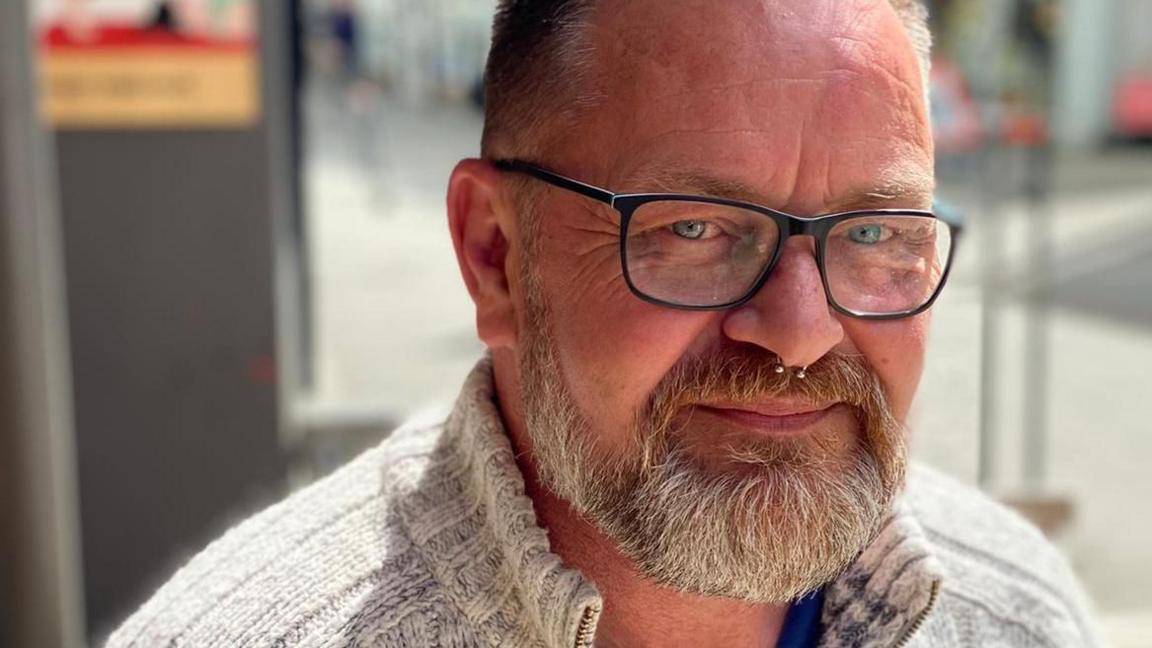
pixel 128 76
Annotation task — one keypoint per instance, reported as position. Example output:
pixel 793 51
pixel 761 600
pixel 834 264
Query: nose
pixel 790 315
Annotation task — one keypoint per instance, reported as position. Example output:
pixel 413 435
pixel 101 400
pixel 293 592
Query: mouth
pixel 773 419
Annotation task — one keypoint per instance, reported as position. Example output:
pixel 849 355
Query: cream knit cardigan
pixel 429 540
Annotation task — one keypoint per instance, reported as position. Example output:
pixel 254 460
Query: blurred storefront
pixel 421 51
pixel 1097 48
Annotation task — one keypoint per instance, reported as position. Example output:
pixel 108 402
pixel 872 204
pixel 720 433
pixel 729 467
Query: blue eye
pixel 690 229
pixel 868 234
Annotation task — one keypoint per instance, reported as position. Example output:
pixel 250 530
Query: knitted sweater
pixel 429 540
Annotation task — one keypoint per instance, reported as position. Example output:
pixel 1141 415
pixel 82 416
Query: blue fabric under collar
pixel 802 625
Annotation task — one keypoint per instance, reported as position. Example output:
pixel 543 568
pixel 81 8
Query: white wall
pixel 1083 79
pixel 1102 41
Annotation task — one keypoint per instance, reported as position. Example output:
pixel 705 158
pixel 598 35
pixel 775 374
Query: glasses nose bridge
pixel 797 226
pixel 811 227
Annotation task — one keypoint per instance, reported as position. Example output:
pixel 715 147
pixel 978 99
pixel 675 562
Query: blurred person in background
pixel 345 24
pixel 702 253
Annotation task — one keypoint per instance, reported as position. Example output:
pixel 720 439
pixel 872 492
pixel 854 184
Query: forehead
pixel 802 99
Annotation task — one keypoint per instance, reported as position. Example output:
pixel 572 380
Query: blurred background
pixel 225 270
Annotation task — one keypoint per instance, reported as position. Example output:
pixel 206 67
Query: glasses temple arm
pixel 595 193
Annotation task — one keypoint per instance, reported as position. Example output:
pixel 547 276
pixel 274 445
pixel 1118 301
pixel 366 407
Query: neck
pixel 637 612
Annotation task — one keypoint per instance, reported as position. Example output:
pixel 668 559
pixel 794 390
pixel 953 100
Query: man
pixel 702 255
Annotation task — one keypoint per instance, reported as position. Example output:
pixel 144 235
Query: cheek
pixel 896 352
pixel 615 349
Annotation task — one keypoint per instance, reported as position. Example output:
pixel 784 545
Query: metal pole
pixel 282 61
pixel 1037 346
pixel 991 254
pixel 991 249
pixel 40 584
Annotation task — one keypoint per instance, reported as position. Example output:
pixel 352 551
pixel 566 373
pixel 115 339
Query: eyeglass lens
pixel 702 254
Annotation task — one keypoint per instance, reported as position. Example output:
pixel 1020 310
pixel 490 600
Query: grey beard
pixel 781 523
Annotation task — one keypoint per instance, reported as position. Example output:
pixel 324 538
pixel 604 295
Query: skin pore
pixel 808 106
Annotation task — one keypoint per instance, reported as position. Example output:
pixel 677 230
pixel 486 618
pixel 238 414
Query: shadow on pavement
pixel 1113 281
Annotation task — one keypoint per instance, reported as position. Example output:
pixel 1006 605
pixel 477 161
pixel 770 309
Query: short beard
pixel 779 520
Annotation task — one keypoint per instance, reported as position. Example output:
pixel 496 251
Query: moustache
pixel 747 375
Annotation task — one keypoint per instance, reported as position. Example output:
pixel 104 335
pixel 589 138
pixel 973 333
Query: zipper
pixel 584 634
pixel 921 618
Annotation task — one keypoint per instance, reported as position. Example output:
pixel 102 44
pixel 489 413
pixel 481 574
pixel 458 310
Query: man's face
pixel 807 106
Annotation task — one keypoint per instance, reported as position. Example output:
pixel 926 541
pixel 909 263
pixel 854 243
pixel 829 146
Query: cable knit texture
pixel 429 540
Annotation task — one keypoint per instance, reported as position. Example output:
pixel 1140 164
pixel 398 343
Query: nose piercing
pixel 800 373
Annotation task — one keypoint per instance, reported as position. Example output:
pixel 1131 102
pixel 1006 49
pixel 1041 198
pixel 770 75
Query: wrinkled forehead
pixel 825 84
pixel 791 37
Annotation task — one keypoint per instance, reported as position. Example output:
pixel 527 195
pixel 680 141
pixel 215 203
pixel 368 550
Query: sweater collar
pixel 884 597
pixel 492 558
pixel 881 598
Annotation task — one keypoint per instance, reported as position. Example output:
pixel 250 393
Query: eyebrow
pixel 914 189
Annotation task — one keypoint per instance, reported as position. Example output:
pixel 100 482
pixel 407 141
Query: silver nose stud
pixel 800 373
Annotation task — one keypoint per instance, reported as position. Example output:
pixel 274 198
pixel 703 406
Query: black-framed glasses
pixel 704 253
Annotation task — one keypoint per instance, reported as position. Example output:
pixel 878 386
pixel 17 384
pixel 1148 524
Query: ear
pixel 482 224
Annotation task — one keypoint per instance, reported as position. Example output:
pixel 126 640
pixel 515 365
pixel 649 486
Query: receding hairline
pixel 553 86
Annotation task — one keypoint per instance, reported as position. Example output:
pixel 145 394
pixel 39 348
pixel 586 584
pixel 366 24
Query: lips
pixel 769 418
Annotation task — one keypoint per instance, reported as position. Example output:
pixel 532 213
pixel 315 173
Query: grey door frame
pixel 40 589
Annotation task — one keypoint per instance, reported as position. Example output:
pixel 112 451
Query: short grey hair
pixel 538 64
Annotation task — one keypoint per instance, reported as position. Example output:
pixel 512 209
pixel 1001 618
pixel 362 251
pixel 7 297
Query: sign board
pixel 149 64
